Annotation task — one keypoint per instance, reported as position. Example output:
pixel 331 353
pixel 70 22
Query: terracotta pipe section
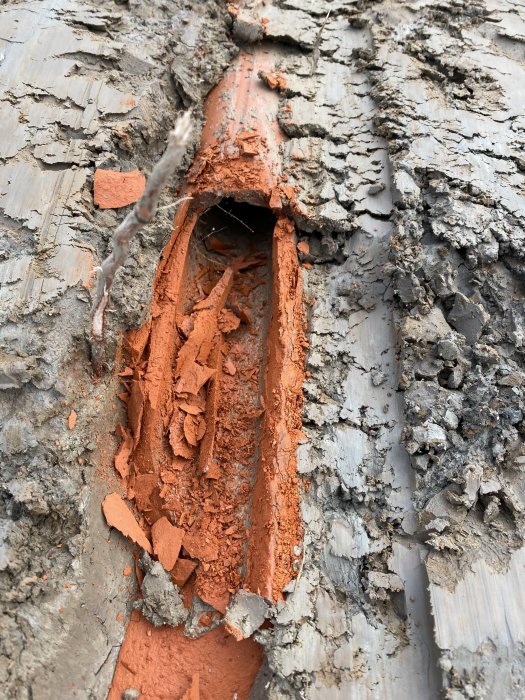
pixel 241 140
pixel 215 391
pixel 241 130
pixel 238 158
pixel 275 535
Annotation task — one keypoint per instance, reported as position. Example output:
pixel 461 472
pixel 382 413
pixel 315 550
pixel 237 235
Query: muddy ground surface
pixel 84 85
pixel 405 131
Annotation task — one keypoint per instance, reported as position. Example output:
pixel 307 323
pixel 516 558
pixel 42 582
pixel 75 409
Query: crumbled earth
pixel 405 149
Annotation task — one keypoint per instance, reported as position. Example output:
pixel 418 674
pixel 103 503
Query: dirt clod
pixel 161 603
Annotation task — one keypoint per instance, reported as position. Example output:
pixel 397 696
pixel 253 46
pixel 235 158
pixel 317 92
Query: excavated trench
pixel 214 395
pixel 214 408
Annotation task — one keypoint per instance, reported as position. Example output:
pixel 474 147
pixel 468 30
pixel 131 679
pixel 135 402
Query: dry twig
pixel 141 214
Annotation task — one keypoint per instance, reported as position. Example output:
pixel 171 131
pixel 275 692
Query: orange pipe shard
pixel 119 516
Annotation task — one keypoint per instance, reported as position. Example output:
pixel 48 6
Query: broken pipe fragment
pixel 182 570
pixel 119 516
pixel 167 541
pixel 113 189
